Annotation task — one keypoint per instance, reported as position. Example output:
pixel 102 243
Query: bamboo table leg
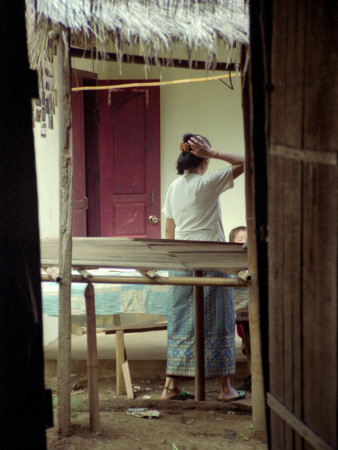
pixel 199 340
pixel 92 361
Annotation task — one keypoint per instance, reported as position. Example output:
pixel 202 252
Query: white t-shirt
pixel 192 201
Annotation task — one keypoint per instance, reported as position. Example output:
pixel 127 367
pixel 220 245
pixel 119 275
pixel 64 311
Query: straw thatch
pixel 151 26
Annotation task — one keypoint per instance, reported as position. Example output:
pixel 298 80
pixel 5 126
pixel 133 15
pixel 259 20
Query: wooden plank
pixel 305 155
pixel 320 301
pixel 294 65
pixel 320 223
pixel 293 421
pixel 279 71
pixel 136 328
pixel 320 88
pixel 120 359
pixel 293 74
pixel 276 294
pixel 127 379
pixel 291 288
pixel 148 254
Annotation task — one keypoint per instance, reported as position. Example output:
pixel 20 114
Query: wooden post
pixel 92 360
pixel 199 340
pixel 257 381
pixel 65 239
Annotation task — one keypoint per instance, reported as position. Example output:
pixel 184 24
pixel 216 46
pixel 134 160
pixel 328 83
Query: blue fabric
pixel 110 298
pixel 219 329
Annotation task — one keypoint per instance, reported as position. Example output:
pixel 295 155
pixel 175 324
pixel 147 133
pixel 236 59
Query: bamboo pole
pixel 151 84
pixel 92 360
pixel 53 275
pixel 165 281
pixel 199 340
pixel 65 239
pixel 85 274
pixel 257 381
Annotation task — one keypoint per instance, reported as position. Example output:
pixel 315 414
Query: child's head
pixel 238 235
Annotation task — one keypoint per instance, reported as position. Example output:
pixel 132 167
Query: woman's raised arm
pixel 202 149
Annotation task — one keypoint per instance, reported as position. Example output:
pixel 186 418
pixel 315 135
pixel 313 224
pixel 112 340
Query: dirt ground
pixel 182 425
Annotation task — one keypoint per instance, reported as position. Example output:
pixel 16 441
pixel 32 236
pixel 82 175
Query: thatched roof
pixel 153 26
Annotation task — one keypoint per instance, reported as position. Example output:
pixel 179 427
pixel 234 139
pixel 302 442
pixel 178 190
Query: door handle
pixel 153 219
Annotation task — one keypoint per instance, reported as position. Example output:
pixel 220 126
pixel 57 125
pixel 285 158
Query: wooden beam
pixel 137 328
pixel 137 59
pixel 65 234
pixel 92 360
pixel 314 440
pixel 258 399
pixel 199 340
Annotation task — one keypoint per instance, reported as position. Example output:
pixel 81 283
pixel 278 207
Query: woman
pixel 192 212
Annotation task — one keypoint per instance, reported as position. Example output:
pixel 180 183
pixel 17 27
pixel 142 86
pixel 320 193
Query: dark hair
pixel 233 233
pixel 186 160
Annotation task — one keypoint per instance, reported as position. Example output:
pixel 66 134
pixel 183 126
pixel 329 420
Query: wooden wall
pixel 24 411
pixel 301 93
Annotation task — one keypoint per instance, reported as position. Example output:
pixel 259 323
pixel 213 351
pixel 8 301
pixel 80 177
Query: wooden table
pixel 147 256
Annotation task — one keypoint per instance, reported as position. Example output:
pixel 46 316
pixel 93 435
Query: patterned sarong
pixel 219 329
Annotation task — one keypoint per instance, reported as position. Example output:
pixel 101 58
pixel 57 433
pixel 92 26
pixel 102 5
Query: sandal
pixel 182 395
pixel 241 395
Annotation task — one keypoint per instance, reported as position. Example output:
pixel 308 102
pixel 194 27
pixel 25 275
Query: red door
pixel 129 144
pixel 80 201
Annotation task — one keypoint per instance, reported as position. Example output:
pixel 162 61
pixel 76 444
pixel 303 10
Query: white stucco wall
pixel 208 108
pixel 47 168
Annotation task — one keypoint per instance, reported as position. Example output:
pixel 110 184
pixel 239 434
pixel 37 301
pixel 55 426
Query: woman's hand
pixel 200 148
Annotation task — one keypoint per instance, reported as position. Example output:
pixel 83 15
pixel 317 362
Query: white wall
pixel 208 108
pixel 47 168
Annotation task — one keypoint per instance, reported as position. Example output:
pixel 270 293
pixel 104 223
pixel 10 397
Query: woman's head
pixel 187 160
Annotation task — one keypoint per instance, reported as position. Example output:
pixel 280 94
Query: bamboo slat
pixel 148 254
pixel 53 274
pixel 151 84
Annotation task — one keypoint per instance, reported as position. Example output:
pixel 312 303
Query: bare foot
pixel 232 394
pixel 168 393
